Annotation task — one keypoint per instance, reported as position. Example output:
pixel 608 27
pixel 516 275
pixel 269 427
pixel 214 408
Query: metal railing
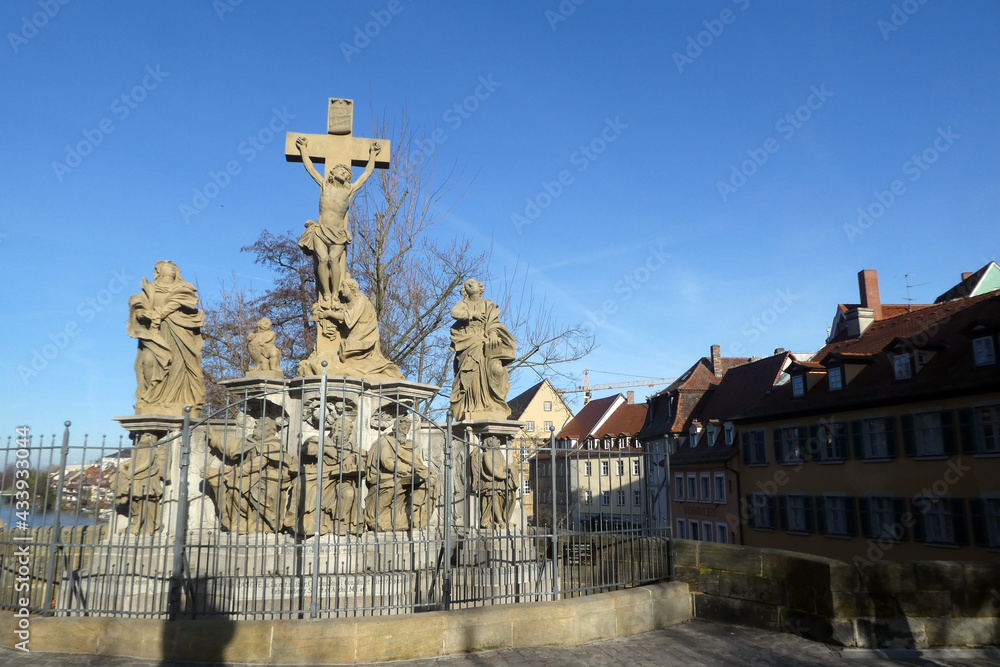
pixel 255 511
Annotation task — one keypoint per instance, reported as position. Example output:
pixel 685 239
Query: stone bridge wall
pixel 870 605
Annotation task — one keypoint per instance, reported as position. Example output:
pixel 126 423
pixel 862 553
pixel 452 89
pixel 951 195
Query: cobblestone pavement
pixel 692 643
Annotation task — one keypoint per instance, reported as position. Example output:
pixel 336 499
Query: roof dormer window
pixel 983 352
pixel 835 378
pixel 901 366
pixel 798 385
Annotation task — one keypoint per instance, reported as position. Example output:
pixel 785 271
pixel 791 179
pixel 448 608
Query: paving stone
pixel 692 643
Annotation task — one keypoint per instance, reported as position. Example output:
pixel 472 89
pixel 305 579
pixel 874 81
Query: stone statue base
pixel 273 375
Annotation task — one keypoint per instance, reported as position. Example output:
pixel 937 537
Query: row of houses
pixel 883 444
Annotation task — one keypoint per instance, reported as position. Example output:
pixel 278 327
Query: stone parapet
pixel 886 604
pixel 365 639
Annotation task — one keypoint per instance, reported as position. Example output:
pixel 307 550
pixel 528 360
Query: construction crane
pixel 588 388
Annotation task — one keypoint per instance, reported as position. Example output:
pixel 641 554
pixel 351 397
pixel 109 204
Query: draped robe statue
pixel 165 318
pixel 483 350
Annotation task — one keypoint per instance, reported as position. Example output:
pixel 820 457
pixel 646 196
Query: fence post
pixel 56 539
pixel 180 526
pixel 555 523
pixel 447 508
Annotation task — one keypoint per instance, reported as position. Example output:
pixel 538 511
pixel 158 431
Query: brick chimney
pixel 965 275
pixel 630 397
pixel 717 361
pixel 868 286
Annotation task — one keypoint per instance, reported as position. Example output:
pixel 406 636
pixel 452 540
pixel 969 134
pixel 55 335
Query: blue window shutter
pixel 820 515
pixel 948 432
pixel 778 456
pixel 750 511
pixel 919 516
pixel 898 509
pixel 967 430
pixel 909 442
pixel 890 436
pixel 865 518
pixel 852 516
pixel 783 511
pixel 961 528
pixel 977 508
pixel 857 437
pixel 808 512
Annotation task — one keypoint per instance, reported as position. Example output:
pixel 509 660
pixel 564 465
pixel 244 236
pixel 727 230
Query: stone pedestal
pixel 489 458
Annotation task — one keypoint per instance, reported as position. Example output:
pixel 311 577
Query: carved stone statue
pixel 326 238
pixel 264 354
pixel 340 475
pixel 165 318
pixel 250 489
pixel 496 482
pixel 398 482
pixel 349 339
pixel 139 487
pixel 483 350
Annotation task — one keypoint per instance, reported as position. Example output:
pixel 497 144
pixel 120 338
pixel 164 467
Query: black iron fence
pixel 317 500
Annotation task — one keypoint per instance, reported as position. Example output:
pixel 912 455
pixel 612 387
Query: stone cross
pixel 338 145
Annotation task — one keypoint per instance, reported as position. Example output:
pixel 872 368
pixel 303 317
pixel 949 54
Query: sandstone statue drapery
pixel 165 318
pixel 483 350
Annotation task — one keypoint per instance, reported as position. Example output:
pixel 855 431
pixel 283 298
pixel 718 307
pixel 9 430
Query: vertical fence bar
pixel 314 598
pixel 55 539
pixel 447 508
pixel 180 526
pixel 555 521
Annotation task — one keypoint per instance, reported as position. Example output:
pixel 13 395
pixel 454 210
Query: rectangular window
pixel 882 518
pixel 606 498
pixel 605 468
pixel 707 532
pixel 693 529
pixel 834 378
pixel 548 427
pixel 527 487
pixel 730 434
pixel 587 468
pixel 706 487
pixel 543 469
pixel 835 513
pixel 710 436
pixel 798 385
pixel 720 487
pixel 832 443
pixel 760 514
pixel 754 447
pixel 797 510
pixel 722 533
pixel 692 494
pixel 635 467
pixel 547 406
pixel 636 498
pixel 936 519
pixel 679 486
pixel 530 428
pixel 681 532
pixel 986 429
pixel 588 497
pixel 790 444
pixel 874 438
pixel 620 467
pixel 621 497
pixel 901 366
pixel 928 432
pixel 982 351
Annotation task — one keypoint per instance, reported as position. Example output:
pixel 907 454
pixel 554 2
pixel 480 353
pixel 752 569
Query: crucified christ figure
pixel 326 238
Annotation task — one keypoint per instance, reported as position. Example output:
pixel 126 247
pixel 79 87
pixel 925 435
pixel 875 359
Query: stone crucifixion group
pixel 262 488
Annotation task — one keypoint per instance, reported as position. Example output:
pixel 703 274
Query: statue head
pixel 339 175
pixel 264 324
pixel 472 287
pixel 350 288
pixel 166 271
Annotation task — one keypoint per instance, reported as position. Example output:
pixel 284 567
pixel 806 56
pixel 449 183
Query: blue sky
pixel 707 161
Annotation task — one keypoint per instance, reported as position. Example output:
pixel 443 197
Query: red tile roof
pixel 626 420
pixel 585 420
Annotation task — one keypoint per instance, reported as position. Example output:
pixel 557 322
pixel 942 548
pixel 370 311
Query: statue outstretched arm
pixel 301 144
pixel 373 150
